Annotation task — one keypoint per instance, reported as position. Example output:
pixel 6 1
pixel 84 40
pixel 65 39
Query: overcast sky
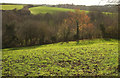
pixel 76 2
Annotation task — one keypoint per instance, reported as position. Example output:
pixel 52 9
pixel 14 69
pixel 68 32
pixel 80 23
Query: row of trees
pixel 27 29
pixel 105 8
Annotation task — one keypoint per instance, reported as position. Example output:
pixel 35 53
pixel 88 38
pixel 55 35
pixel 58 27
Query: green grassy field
pixel 41 9
pixel 10 7
pixel 88 57
pixel 44 9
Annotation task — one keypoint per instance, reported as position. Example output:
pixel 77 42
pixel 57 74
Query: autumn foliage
pixel 21 29
pixel 77 22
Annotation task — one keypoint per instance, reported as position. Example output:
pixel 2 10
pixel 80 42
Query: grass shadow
pixel 77 42
pixel 107 39
pixel 23 48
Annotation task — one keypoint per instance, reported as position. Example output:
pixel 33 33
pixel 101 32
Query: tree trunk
pixel 77 30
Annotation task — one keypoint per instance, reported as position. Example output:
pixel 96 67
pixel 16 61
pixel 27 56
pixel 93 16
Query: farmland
pixel 36 10
pixel 42 9
pixel 88 57
pixel 11 7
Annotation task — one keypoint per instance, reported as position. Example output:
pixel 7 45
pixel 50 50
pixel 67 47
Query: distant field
pixel 11 7
pixel 87 58
pixel 108 13
pixel 44 9
pixel 41 9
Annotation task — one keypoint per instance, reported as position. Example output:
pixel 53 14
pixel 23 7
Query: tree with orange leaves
pixel 77 21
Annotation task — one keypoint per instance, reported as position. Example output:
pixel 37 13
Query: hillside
pixel 36 9
pixel 11 7
pixel 45 9
pixel 88 57
pixel 42 9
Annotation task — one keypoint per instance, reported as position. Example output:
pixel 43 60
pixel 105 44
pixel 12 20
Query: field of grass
pixel 41 9
pixel 86 58
pixel 44 9
pixel 10 7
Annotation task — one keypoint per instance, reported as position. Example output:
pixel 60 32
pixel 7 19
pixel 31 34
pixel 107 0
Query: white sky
pixel 76 2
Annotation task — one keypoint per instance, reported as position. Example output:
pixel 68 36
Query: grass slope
pixel 44 9
pixel 41 9
pixel 89 57
pixel 11 7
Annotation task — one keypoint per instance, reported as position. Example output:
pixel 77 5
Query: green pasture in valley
pixel 45 9
pixel 10 7
pixel 41 9
pixel 86 58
